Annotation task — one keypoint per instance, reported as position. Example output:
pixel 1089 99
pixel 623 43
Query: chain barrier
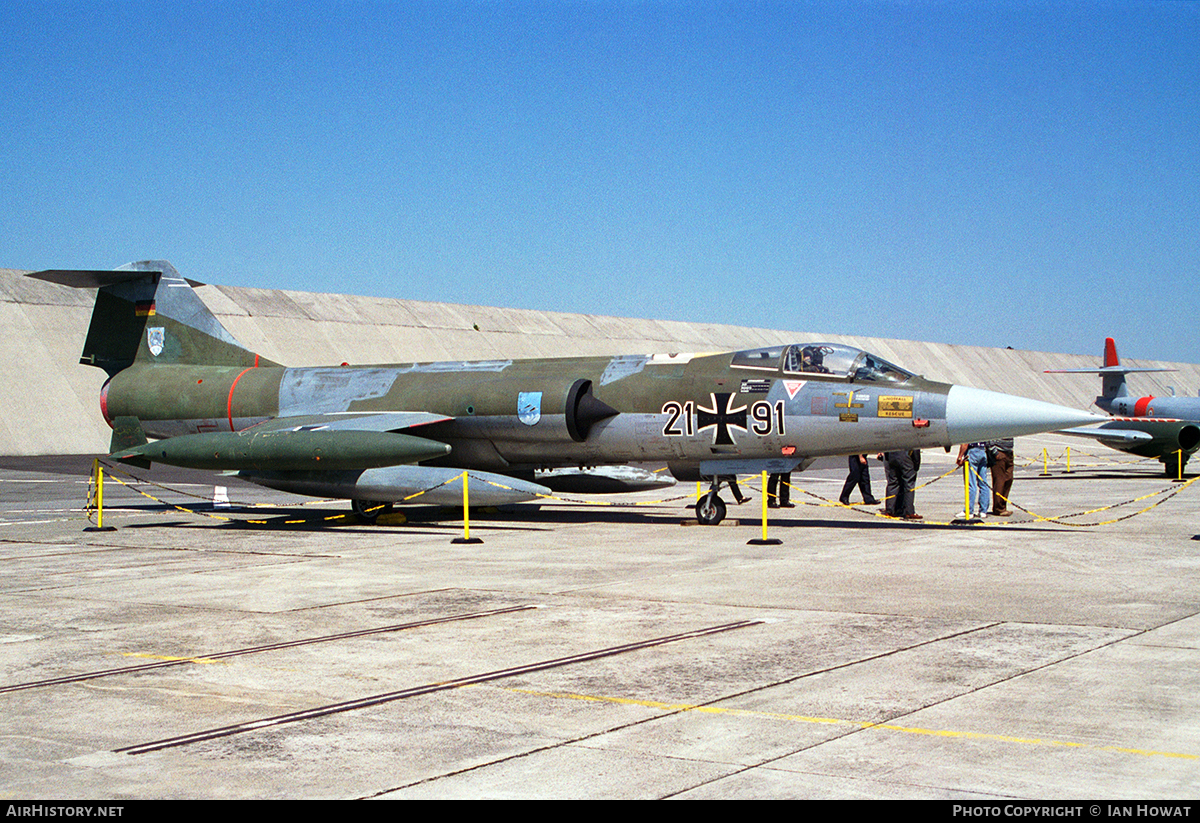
pixel 1167 493
pixel 115 473
pixel 1069 452
pixel 837 504
pixel 90 507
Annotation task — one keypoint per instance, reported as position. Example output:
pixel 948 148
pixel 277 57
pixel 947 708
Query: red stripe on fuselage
pixel 104 403
pixel 229 405
pixel 1139 408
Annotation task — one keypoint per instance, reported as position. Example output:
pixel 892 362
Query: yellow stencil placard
pixel 894 406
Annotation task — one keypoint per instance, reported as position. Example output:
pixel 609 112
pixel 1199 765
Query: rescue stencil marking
pixel 895 406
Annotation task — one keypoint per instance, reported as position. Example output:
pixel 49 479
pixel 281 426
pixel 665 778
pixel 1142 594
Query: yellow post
pixel 967 489
pixel 1068 460
pixel 764 541
pixel 466 538
pixel 1045 463
pixel 466 506
pixel 98 474
pixel 764 503
pixel 1179 463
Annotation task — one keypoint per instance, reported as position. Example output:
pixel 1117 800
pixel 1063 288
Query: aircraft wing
pixel 329 442
pixel 390 421
pixel 1115 435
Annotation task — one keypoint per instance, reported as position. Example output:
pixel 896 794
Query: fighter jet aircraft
pixel 1161 427
pixel 378 434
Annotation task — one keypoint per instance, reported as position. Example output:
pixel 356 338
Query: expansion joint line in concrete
pixel 378 699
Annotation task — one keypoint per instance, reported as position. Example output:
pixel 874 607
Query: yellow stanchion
pixel 466 538
pixel 967 489
pixel 764 540
pixel 1045 464
pixel 98 479
pixel 968 515
pixel 1068 471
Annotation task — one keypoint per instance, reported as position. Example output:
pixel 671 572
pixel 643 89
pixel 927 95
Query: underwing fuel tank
pixel 287 450
pixel 417 485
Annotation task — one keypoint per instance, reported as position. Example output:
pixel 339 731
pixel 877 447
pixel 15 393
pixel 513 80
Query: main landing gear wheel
pixel 368 511
pixel 1173 464
pixel 710 509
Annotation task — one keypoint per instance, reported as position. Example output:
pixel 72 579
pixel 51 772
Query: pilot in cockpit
pixel 812 360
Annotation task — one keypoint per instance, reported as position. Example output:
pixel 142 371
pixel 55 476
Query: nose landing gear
pixel 368 511
pixel 710 508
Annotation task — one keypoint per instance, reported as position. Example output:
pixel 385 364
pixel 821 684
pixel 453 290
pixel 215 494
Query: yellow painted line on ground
pixel 860 724
pixel 166 657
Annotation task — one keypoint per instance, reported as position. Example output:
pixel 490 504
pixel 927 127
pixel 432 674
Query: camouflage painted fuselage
pixel 386 433
pixel 525 414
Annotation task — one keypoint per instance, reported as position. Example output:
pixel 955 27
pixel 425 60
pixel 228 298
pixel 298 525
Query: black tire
pixel 710 509
pixel 368 511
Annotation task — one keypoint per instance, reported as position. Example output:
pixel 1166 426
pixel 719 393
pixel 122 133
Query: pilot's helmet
pixel 811 358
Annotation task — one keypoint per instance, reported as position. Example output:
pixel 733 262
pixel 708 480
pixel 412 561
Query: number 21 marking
pixel 767 418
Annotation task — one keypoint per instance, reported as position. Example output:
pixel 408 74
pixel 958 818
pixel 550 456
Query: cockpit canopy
pixel 832 359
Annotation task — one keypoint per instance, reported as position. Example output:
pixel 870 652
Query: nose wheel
pixel 710 509
pixel 368 511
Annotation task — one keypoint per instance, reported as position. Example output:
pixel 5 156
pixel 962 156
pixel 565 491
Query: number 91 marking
pixel 764 420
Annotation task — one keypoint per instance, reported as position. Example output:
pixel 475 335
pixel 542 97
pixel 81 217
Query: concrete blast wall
pixel 51 402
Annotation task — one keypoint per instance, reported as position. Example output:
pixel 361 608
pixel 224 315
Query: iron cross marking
pixel 721 415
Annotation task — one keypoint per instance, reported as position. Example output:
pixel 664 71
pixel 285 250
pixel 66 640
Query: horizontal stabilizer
pixel 90 278
pixel 1104 370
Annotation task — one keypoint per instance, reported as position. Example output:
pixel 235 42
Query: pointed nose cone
pixel 975 414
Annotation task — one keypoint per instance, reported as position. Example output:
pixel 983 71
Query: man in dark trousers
pixel 779 488
pixel 860 475
pixel 902 469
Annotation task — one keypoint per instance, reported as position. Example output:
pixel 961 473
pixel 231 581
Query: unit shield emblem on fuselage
pixel 529 407
pixel 154 339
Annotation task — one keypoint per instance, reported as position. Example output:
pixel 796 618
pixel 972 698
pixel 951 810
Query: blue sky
pixel 1006 173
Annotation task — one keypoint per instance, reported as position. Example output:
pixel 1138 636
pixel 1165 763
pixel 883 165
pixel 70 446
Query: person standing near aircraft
pixel 860 475
pixel 1000 455
pixel 974 455
pixel 731 481
pixel 901 467
pixel 779 488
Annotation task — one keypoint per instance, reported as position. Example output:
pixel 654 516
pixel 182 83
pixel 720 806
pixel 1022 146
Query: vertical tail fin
pixel 1112 376
pixel 1112 384
pixel 146 312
